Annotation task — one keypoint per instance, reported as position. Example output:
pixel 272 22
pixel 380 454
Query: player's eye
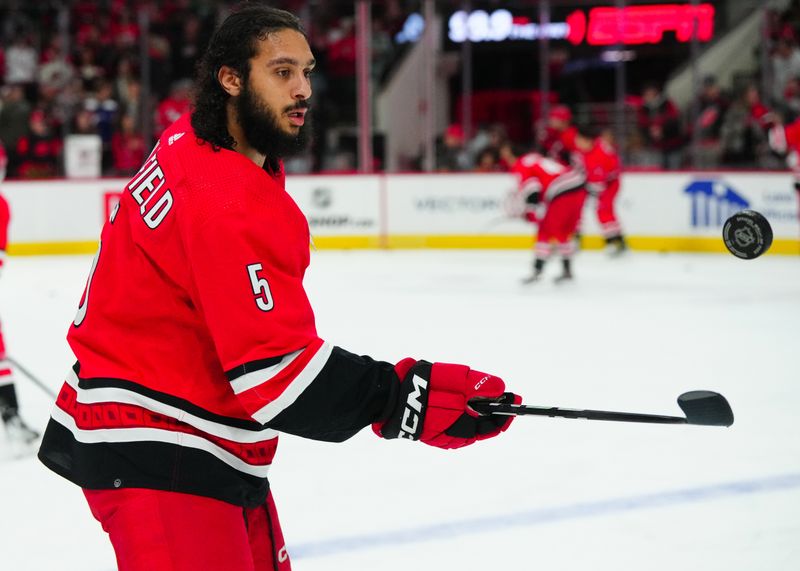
pixel 283 73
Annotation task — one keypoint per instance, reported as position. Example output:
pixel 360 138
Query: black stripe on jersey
pixel 349 393
pixel 101 382
pixel 251 366
pixel 151 465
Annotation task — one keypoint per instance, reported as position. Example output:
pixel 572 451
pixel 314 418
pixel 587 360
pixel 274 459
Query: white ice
pixel 550 494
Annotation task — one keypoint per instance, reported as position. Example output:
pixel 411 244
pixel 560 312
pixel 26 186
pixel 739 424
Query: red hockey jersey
pixel 785 139
pixel 195 339
pixel 5 216
pixel 602 166
pixel 536 173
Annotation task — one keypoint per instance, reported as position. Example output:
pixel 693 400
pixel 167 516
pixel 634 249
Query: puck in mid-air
pixel 747 234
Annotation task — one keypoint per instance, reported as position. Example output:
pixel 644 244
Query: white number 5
pixel 260 288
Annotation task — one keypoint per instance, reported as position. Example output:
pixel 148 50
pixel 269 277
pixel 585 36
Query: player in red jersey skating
pixel 19 435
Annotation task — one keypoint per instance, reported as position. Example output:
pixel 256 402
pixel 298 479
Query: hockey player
pixel 559 141
pixel 19 435
pixel 195 341
pixel 785 141
pixel 602 165
pixel 559 191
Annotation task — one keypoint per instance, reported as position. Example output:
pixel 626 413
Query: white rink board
pixel 653 205
pixel 460 204
pixel 338 205
pixel 697 204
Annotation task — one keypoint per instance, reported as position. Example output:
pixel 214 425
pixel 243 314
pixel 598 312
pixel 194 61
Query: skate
pixel 533 278
pixel 566 276
pixel 566 272
pixel 20 437
pixel 538 268
pixel 616 247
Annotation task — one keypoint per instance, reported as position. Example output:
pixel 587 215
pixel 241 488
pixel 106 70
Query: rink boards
pixel 676 211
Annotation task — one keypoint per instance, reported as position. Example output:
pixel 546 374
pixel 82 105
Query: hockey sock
pixel 8 402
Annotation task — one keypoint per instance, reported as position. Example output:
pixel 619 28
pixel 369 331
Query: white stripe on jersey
pixel 6 378
pixel 300 383
pixel 141 434
pixel 531 185
pixel 260 376
pixel 123 396
pixel 570 180
pixel 777 139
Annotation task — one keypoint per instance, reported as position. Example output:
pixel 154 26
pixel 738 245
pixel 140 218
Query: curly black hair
pixel 233 44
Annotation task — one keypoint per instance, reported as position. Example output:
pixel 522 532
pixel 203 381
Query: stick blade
pixel 706 408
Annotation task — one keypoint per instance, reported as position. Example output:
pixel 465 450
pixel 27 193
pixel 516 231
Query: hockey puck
pixel 747 234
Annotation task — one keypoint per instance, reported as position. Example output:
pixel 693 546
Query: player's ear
pixel 230 80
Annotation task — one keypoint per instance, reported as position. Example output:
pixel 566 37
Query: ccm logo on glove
pixel 432 405
pixel 411 425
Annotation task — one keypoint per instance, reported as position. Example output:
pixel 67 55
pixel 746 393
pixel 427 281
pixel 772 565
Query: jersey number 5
pixel 260 287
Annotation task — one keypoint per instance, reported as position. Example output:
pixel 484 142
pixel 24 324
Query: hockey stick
pixel 31 377
pixel 704 408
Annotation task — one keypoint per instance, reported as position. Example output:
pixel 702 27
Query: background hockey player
pixel 195 341
pixel 602 165
pixel 19 435
pixel 785 141
pixel 558 190
pixel 559 140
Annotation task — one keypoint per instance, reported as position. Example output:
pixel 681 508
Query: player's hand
pixel 432 405
pixel 530 216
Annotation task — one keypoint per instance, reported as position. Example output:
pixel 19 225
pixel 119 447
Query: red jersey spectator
pixel 659 123
pixel 178 103
pixel 127 147
pixel 39 152
pixel 712 105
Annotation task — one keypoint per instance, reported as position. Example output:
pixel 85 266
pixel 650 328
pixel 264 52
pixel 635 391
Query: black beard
pixel 262 130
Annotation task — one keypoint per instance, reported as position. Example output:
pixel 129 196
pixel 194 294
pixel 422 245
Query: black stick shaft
pixel 520 410
pixel 31 377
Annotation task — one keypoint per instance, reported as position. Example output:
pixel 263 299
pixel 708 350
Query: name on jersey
pixel 149 189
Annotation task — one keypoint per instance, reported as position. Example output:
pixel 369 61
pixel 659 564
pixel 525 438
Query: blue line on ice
pixel 448 530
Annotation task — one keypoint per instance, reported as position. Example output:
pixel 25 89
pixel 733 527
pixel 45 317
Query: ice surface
pixel 550 494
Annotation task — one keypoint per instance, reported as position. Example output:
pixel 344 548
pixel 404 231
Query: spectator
pixel 178 103
pixel 711 106
pixel 507 156
pixel 88 70
pixel 791 99
pixel 127 147
pixel 123 77
pixel 659 123
pixel 785 65
pixel 188 48
pixel 21 63
pixel 488 161
pixel 14 116
pixel 83 123
pixel 744 142
pixel 451 155
pixel 104 110
pixel 492 137
pixel 39 152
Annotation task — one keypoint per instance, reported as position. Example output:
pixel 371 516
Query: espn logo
pixel 411 425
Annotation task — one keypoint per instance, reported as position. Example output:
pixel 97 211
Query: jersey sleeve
pixel 247 260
